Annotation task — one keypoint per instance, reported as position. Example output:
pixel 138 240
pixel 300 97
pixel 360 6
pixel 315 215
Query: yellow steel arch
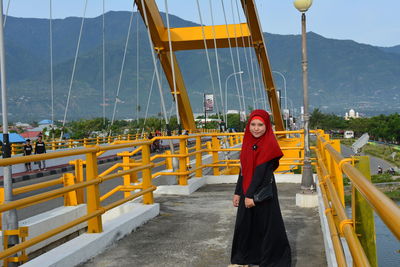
pixel 188 38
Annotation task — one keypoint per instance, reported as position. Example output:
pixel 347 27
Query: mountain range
pixel 343 74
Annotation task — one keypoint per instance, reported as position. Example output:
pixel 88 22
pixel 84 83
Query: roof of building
pixel 14 138
pixel 31 134
pixel 45 122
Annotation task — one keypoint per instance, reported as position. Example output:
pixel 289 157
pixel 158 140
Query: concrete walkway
pixel 197 230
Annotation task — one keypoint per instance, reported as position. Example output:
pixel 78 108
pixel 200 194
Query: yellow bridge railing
pixel 359 230
pixel 137 159
pixel 75 186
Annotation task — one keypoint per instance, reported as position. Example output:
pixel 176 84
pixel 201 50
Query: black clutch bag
pixel 264 193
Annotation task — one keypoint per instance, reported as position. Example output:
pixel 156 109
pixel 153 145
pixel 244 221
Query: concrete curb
pixel 86 246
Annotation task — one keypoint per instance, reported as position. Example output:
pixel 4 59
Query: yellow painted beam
pixel 188 38
pixel 157 30
pixel 262 56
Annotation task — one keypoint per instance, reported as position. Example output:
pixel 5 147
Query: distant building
pixel 351 115
pixel 14 138
pixel 22 125
pixel 33 135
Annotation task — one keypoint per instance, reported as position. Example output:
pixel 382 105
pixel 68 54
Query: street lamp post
pixel 284 87
pixel 10 219
pixel 226 97
pixel 307 182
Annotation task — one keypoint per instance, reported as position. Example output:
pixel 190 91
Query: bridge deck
pixel 196 230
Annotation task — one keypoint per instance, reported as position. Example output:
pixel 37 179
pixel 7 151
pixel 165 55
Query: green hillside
pixel 342 74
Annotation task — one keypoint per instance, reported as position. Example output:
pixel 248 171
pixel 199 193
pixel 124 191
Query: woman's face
pixel 257 128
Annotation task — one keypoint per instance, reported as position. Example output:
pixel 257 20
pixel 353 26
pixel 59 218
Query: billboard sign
pixel 209 102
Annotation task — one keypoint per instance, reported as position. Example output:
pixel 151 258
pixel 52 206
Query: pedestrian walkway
pixel 197 230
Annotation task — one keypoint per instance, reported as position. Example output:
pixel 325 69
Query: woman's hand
pixel 236 199
pixel 249 202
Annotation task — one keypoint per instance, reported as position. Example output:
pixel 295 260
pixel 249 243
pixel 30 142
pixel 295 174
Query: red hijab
pixel 256 151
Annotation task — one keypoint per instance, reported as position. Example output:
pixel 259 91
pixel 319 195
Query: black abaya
pixel 260 235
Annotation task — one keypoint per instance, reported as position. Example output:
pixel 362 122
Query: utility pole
pixel 10 219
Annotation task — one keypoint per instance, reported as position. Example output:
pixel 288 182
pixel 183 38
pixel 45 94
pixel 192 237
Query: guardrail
pixel 359 230
pixel 17 148
pixel 137 159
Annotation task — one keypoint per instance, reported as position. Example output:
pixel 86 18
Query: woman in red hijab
pixel 260 235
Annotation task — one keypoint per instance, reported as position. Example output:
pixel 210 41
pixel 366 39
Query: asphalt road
pixel 51 204
pixel 374 161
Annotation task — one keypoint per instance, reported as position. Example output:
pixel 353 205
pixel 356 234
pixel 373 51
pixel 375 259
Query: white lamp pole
pixel 307 182
pixel 226 97
pixel 284 88
pixel 10 219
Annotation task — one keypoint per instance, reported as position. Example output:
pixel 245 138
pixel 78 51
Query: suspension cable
pixel 238 57
pixel 233 61
pixel 172 65
pixel 73 69
pixel 154 62
pixel 51 68
pixel 137 66
pixel 104 66
pixel 121 71
pixel 6 15
pixel 148 100
pixel 257 73
pixel 171 145
pixel 208 57
pixel 245 53
pixel 216 59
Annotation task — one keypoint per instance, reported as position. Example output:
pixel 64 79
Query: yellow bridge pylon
pixel 188 38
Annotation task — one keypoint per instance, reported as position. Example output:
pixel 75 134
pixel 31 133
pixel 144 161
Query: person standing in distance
pixel 27 152
pixel 40 148
pixel 260 235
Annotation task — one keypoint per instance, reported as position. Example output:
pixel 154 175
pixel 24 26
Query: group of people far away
pixel 40 148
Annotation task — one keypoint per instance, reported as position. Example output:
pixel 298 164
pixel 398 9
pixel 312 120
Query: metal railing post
pixel 363 215
pixel 70 198
pixel 182 162
pixel 13 149
pixel 133 176
pixel 146 173
pixel 78 163
pixel 215 146
pixel 337 173
pixel 168 160
pixel 126 167
pixel 93 194
pixel 199 171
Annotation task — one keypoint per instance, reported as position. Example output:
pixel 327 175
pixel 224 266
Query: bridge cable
pixel 137 65
pixel 174 160
pixel 172 66
pixel 6 15
pixel 51 68
pixel 73 70
pixel 245 55
pixel 148 101
pixel 122 70
pixel 104 66
pixel 216 59
pixel 238 57
pixel 233 63
pixel 208 57
pixel 260 86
